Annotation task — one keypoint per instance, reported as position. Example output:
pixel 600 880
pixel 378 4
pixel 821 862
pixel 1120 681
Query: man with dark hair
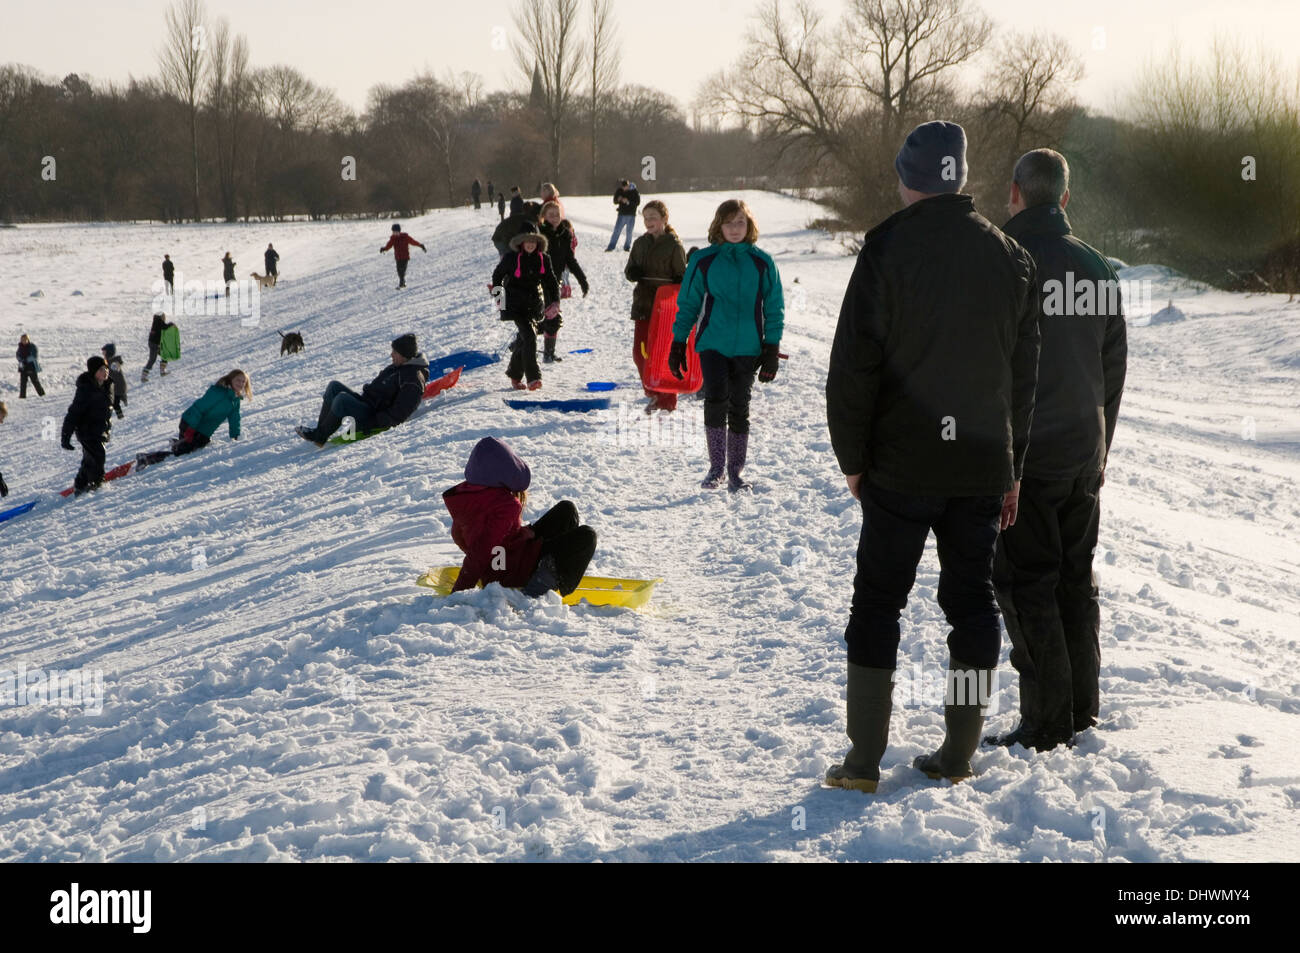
pixel 929 399
pixel 385 402
pixel 628 200
pixel 401 244
pixel 1043 568
pixel 516 201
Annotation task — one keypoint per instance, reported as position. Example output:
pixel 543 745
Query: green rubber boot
pixel 870 702
pixel 967 692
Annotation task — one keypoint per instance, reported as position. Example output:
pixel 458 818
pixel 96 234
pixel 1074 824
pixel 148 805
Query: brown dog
pixel 290 343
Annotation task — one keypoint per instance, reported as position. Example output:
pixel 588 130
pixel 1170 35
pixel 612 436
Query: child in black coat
pixel 532 296
pixel 560 240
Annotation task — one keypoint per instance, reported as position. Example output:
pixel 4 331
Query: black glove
pixel 4 487
pixel 67 445
pixel 768 363
pixel 677 360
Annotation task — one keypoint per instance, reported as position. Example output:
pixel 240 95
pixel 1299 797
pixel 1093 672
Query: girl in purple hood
pixel 552 553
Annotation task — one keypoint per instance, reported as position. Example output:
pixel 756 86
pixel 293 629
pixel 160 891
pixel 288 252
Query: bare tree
pixel 1030 83
pixel 551 49
pixel 184 64
pixel 900 53
pixel 604 66
pixel 228 100
pixel 788 82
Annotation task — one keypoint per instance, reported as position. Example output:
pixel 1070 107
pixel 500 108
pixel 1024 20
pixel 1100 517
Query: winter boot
pixel 963 719
pixel 308 434
pixel 544 578
pixel 737 448
pixel 716 437
pixel 870 703
pixel 518 384
pixel 144 376
pixel 535 385
pixel 548 350
pixel 162 370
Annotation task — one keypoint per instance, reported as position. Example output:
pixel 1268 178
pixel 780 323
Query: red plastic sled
pixel 446 382
pixel 659 341
pixel 113 474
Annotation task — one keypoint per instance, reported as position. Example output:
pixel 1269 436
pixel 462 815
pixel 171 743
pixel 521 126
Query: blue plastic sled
pixel 576 405
pixel 463 359
pixel 601 385
pixel 16 511
pixel 583 350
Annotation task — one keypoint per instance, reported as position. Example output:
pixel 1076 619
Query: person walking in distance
pixel 228 272
pixel 28 368
pixel 1043 567
pixel 476 193
pixel 156 329
pixel 929 398
pixel 627 199
pixel 271 256
pixel 169 272
pixel 401 244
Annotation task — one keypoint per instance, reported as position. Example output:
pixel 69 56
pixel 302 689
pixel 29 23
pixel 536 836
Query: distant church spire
pixel 537 98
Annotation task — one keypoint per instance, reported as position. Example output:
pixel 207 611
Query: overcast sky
pixel 670 44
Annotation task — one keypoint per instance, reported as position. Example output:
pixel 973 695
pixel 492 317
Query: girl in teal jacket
pixel 734 290
pixel 202 418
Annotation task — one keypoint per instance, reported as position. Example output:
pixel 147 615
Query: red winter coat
pixel 482 518
pixel 401 245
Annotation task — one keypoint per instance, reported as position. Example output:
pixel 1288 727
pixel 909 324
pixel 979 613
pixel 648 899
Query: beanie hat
pixel 109 350
pixel 493 463
pixel 933 158
pixel 406 346
pixel 397 227
pixel 95 363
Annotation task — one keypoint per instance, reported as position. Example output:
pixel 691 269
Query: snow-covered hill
pixel 276 687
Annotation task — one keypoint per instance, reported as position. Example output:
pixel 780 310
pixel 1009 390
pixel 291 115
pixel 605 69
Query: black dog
pixel 290 343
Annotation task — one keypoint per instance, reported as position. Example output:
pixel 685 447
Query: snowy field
pixel 277 688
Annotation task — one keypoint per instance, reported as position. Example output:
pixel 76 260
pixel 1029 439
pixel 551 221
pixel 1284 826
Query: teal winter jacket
pixel 734 290
pixel 206 414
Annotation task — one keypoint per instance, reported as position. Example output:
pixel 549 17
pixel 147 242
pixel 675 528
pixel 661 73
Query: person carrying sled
pixel 1043 566
pixel 486 510
pixel 228 272
pixel 401 243
pixel 929 398
pixel 385 402
pixel 160 324
pixel 219 404
pixel 560 242
pixel 734 290
pixel 28 367
pixel 657 259
pixel 90 416
pixel 116 376
pixel 532 297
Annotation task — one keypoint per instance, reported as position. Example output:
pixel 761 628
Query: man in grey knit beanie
pixel 933 158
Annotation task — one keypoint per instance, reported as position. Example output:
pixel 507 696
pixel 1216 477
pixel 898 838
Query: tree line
pixel 1201 170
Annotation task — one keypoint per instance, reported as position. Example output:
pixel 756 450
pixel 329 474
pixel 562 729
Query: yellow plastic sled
pixel 594 590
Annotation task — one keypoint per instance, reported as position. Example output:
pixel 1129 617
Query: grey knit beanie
pixel 933 158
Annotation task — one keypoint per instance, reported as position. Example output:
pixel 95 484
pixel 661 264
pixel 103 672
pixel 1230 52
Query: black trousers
pixel 523 356
pixel 29 373
pixel 894 530
pixel 401 269
pixel 728 382
pixel 91 473
pixel 572 545
pixel 1045 586
pixel 153 356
